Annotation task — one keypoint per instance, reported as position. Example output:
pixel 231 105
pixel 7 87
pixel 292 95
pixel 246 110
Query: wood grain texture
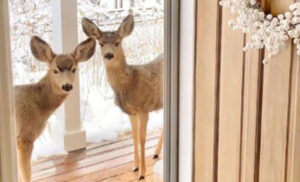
pixel 280 6
pixel 8 170
pixel 231 93
pixel 259 114
pixel 266 5
pixel 275 118
pixel 293 155
pixel 206 88
pixel 253 65
pixel 275 110
pixel 275 7
pixel 109 162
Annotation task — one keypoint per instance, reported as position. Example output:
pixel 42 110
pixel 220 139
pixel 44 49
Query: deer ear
pixel 41 50
pixel 90 29
pixel 85 50
pixel 126 26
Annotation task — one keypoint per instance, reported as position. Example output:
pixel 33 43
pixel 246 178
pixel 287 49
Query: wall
pixel 246 113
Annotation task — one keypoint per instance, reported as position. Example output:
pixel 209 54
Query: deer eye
pixel 117 44
pixel 55 71
pixel 74 70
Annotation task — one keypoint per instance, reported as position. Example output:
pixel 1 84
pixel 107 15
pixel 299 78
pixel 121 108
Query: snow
pixel 101 118
pixel 51 141
pixel 102 121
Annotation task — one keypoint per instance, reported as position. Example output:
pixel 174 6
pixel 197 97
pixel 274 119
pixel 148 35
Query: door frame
pixel 171 86
pixel 8 159
pixel 179 90
pixel 187 59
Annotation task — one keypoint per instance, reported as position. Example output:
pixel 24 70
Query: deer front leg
pixel 159 145
pixel 25 148
pixel 135 134
pixel 143 120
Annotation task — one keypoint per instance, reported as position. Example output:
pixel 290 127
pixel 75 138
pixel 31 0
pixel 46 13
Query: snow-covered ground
pixel 101 118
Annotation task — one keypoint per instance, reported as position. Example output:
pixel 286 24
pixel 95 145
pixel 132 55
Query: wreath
pixel 266 31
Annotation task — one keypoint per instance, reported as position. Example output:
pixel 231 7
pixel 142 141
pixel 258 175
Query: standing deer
pixel 35 103
pixel 138 88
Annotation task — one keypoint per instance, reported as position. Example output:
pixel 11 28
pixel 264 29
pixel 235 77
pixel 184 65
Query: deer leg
pixel 25 148
pixel 143 120
pixel 159 145
pixel 135 134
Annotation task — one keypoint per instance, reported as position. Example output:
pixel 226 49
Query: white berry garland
pixel 267 31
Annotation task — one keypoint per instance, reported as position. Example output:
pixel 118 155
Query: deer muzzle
pixel 109 56
pixel 67 87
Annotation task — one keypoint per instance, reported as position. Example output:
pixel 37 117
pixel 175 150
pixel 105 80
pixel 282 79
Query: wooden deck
pixel 107 162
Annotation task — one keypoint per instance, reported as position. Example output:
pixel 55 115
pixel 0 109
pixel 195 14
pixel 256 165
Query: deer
pixel 138 88
pixel 34 103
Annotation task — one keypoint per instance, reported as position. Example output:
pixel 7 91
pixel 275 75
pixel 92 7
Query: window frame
pixel 179 90
pixel 8 157
pixel 179 54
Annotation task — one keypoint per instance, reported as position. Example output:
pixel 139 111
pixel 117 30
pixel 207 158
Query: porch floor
pixel 106 162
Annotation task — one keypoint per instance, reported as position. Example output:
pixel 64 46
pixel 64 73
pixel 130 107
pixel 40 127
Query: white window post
pixel 186 89
pixel 8 158
pixel 65 39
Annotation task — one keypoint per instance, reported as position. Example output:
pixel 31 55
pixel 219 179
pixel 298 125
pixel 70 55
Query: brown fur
pixel 34 103
pixel 138 88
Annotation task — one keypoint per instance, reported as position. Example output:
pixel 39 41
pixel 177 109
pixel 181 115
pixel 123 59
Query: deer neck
pixel 52 97
pixel 119 75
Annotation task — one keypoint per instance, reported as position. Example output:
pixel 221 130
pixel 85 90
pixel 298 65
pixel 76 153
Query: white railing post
pixel 8 156
pixel 65 38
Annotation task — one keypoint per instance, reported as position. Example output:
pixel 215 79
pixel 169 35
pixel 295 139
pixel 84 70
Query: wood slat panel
pixel 275 118
pixel 266 5
pixel 251 98
pixel 274 7
pixel 275 112
pixel 280 6
pixel 293 166
pixel 231 88
pixel 240 109
pixel 206 87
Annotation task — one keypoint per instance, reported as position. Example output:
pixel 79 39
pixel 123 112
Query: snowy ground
pixel 101 119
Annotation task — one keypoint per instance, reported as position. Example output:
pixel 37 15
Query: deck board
pixel 106 162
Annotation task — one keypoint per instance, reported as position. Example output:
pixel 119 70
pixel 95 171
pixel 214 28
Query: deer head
pixel 62 67
pixel 110 41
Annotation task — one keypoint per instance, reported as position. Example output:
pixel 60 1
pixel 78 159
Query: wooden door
pixel 247 114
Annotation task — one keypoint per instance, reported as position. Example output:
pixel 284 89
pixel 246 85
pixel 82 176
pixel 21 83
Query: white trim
pixel 8 156
pixel 186 89
pixel 75 140
pixel 65 36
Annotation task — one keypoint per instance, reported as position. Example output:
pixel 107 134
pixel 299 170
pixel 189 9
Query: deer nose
pixel 67 87
pixel 108 55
